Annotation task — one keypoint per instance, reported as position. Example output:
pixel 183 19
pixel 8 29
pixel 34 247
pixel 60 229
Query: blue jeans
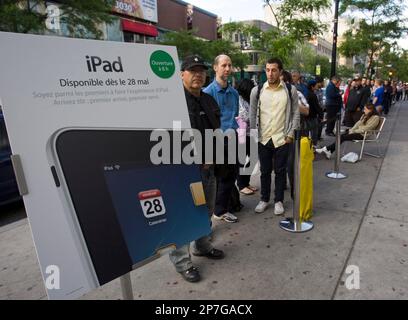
pixel 181 257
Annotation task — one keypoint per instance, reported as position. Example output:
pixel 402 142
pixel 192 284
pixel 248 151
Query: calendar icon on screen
pixel 152 203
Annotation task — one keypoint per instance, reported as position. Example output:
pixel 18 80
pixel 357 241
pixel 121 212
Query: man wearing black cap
pixel 204 114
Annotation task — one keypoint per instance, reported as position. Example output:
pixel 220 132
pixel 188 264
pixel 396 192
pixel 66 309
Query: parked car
pixel 8 184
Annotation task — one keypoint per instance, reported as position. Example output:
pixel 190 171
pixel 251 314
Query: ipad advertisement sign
pixel 79 115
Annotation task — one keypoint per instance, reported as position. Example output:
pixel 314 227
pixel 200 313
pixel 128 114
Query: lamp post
pixel 334 50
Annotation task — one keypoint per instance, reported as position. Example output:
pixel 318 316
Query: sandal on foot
pixel 246 191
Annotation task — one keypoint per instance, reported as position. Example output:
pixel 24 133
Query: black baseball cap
pixel 193 61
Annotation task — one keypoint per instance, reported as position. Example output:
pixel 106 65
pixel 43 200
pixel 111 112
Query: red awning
pixel 138 27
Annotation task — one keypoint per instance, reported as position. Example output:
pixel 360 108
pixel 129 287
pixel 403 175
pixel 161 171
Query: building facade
pixel 144 21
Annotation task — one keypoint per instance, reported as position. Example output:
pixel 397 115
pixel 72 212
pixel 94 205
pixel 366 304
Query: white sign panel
pixel 79 114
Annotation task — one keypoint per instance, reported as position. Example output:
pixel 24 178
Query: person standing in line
pixel 275 113
pixel 315 112
pixel 204 115
pixel 387 96
pixel 320 97
pixel 333 104
pixel 354 105
pixel 378 97
pixel 297 80
pixel 228 101
pixel 244 89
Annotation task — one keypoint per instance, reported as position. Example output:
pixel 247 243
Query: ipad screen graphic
pixel 158 202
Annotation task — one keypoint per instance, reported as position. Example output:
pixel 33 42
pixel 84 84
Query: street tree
pixel 81 18
pixel 380 25
pixel 394 64
pixel 185 41
pixel 187 44
pixel 267 43
pixel 298 18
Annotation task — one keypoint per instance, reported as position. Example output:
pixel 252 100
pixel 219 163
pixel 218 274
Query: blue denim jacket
pixel 228 101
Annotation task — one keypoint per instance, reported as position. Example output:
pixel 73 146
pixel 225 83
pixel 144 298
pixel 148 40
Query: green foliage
pixel 221 46
pixel 381 26
pixel 185 41
pixel 294 17
pixel 395 61
pixel 188 44
pixel 82 18
pixel 277 46
pixel 345 72
pixel 305 60
pixel 325 66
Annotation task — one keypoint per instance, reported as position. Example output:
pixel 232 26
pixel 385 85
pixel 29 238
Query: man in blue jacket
pixel 228 101
pixel 333 103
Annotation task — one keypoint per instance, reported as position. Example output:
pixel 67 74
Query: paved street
pixel 360 221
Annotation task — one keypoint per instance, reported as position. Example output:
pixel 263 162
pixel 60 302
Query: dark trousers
pixel 243 179
pixel 311 127
pixel 226 178
pixel 319 129
pixel 331 118
pixel 346 137
pixel 291 166
pixel 276 159
pixel 387 104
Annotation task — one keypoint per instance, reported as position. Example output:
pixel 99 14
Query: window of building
pixel 137 38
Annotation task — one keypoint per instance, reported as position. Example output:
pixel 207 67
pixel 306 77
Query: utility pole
pixel 334 50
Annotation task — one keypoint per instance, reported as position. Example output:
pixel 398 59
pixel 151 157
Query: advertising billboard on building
pixel 142 9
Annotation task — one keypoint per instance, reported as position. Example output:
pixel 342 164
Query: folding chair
pixel 372 136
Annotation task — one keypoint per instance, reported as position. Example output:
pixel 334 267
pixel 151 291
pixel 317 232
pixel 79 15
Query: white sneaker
pixel 325 151
pixel 261 207
pixel 279 209
pixel 227 217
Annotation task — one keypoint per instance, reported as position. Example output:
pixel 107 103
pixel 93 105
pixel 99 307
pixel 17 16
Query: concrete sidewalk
pixel 361 221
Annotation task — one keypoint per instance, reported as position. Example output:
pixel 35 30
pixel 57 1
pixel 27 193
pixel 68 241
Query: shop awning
pixel 137 27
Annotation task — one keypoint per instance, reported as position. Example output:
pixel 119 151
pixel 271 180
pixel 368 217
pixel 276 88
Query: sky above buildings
pixel 232 10
pixel 238 10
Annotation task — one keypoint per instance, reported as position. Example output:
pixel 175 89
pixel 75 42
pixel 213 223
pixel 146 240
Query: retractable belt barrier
pixel 336 174
pixel 295 224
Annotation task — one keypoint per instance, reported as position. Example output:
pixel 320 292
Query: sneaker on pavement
pixel 279 209
pixel 261 207
pixel 227 217
pixel 325 151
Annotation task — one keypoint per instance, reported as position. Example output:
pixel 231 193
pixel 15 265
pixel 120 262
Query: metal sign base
pixel 336 175
pixel 294 226
pixel 126 286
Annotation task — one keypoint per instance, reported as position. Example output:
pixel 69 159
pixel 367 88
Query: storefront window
pixel 137 38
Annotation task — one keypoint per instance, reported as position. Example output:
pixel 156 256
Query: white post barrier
pixel 295 224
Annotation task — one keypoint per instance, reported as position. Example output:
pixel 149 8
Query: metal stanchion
pixel 295 224
pixel 126 285
pixel 336 174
